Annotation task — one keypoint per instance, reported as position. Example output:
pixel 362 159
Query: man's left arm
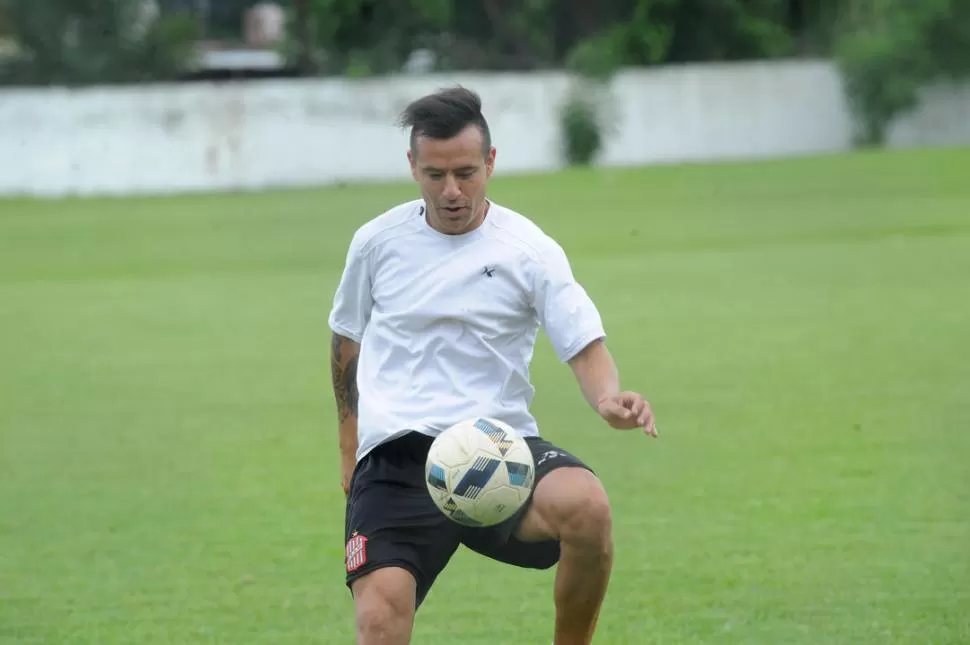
pixel 576 330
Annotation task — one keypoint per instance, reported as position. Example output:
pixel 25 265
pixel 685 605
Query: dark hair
pixel 444 114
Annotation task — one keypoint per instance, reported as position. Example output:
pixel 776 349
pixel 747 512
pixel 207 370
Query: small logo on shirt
pixel 488 271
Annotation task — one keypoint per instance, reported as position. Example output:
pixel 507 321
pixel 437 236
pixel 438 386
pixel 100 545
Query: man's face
pixel 453 176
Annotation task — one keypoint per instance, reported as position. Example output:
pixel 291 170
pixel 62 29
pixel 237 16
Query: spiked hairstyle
pixel 444 114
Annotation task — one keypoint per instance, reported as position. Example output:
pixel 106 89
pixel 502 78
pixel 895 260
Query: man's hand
pixel 627 410
pixel 600 382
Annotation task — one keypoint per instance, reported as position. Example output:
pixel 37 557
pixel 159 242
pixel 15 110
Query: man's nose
pixel 451 191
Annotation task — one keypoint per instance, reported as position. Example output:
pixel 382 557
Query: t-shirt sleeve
pixel 563 306
pixel 353 301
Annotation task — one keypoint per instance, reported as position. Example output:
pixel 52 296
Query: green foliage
pixel 725 30
pixel 593 61
pixel 887 50
pixel 597 58
pixel 892 49
pixel 581 127
pixel 650 32
pixel 637 41
pixel 77 42
pixel 594 38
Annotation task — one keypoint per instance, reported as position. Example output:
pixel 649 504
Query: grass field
pixel 167 435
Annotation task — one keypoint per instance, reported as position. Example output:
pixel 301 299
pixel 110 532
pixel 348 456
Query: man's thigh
pixel 500 542
pixel 391 520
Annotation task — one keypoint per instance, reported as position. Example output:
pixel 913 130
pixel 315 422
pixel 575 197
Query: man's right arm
pixel 348 319
pixel 344 353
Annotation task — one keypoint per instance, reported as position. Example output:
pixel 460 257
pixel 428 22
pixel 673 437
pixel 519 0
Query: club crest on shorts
pixel 356 553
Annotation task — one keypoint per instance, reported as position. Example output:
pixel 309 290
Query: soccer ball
pixel 479 472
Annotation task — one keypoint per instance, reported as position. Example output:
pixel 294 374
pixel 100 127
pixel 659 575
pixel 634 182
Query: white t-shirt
pixel 448 323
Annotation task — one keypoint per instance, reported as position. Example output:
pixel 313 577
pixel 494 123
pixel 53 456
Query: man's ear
pixel 490 162
pixel 413 162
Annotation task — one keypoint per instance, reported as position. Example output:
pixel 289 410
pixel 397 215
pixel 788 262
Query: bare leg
pixel 385 606
pixel 570 504
pixel 581 581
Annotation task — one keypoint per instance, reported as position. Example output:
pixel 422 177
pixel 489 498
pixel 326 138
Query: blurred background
pixel 618 82
pixel 768 200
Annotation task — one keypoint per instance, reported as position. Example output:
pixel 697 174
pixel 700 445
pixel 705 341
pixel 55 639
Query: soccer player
pixel 434 321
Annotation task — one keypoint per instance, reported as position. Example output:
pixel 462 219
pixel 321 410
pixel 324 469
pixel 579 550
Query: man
pixel 435 321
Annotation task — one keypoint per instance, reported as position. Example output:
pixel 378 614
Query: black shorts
pixel 392 521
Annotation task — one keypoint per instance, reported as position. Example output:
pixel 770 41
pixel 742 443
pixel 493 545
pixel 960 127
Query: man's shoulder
pixel 395 221
pixel 517 229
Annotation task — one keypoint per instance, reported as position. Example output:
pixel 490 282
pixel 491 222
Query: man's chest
pixel 485 284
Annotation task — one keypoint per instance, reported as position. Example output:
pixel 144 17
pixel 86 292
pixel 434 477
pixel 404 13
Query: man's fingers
pixel 616 410
pixel 640 409
pixel 645 415
pixel 621 411
pixel 638 406
pixel 630 410
pixel 630 399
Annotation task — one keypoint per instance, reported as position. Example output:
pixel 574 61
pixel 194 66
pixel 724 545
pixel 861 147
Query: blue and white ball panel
pixel 519 474
pixel 498 436
pixel 436 477
pixel 476 477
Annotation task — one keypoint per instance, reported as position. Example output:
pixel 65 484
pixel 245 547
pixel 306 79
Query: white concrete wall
pixel 160 139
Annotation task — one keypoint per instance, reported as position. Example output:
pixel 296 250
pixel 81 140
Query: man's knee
pixel 571 505
pixel 585 517
pixel 385 604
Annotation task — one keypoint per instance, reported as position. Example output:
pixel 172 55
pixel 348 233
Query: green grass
pixel 168 465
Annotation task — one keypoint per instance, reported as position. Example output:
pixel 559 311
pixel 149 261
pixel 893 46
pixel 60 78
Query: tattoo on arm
pixel 343 370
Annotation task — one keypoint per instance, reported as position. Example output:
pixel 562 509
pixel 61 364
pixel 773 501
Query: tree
pixel 77 42
pixel 892 49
